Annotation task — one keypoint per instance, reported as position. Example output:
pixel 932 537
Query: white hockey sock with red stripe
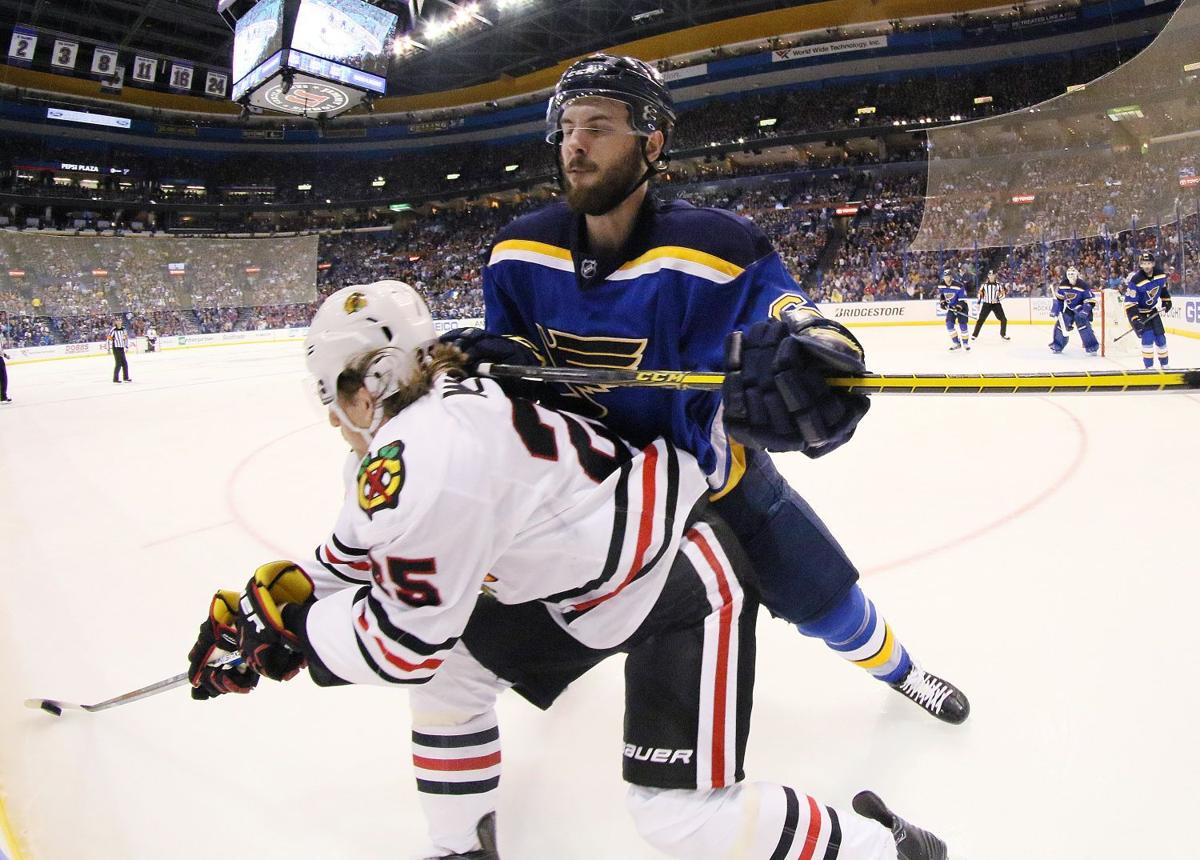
pixel 458 779
pixel 754 821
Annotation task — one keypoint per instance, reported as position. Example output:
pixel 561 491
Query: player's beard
pixel 608 193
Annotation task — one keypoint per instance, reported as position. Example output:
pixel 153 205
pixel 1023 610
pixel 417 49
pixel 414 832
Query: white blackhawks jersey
pixel 467 490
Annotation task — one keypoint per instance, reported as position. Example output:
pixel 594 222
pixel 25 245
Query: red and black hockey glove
pixel 270 646
pixel 775 393
pixel 218 637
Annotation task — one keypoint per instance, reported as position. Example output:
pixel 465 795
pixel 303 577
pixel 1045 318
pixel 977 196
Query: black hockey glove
pixel 270 645
pixel 218 637
pixel 483 347
pixel 943 304
pixel 1138 322
pixel 1166 304
pixel 775 393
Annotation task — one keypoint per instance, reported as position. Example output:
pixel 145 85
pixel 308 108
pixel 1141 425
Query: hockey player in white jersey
pixel 489 542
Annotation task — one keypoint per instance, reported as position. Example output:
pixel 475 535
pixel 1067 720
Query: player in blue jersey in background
pixel 614 278
pixel 1073 307
pixel 1147 298
pixel 952 298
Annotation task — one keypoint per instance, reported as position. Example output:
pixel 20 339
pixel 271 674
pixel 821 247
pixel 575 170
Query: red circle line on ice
pixel 1081 447
pixel 1053 487
pixel 234 476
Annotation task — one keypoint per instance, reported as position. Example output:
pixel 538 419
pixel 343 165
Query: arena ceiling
pixel 534 35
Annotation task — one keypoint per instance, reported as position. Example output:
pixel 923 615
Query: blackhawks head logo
pixel 354 302
pixel 380 478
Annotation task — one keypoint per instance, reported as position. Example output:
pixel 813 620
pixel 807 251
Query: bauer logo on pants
pixel 380 478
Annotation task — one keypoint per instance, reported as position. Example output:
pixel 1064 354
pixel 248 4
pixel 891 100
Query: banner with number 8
pixel 104 62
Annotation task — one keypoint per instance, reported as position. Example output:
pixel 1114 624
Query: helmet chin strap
pixel 381 382
pixel 364 433
pixel 650 171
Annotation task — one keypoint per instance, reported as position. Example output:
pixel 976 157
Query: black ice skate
pixel 486 830
pixel 912 843
pixel 938 697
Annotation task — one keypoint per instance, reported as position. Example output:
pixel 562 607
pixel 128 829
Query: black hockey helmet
pixel 1146 257
pixel 625 79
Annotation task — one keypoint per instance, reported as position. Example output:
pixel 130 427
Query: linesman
pixel 991 292
pixel 118 340
pixel 4 398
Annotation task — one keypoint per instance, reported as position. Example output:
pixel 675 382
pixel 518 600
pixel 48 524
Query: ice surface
pixel 1036 551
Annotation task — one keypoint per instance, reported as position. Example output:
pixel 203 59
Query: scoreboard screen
pixel 348 32
pixel 258 35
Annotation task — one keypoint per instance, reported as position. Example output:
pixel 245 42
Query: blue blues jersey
pixel 1144 292
pixel 1072 297
pixel 951 293
pixel 684 280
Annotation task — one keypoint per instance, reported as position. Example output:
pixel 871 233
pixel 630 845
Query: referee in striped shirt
pixel 119 341
pixel 990 294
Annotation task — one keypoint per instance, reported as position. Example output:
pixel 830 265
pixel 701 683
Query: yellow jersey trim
pixel 531 247
pixel 737 469
pixel 677 253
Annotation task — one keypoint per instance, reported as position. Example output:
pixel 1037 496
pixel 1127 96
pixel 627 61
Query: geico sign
pixel 1191 312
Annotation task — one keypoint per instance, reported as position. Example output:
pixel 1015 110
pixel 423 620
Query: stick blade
pixel 47 705
pixel 50 706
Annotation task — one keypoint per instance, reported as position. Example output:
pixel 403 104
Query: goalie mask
pixel 388 318
pixel 1072 275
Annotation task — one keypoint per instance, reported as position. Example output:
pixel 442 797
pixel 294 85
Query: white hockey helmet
pixel 388 317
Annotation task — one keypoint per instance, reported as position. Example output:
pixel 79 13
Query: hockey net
pixel 1113 330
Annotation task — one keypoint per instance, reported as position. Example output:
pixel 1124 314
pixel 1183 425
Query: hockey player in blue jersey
pixel 614 278
pixel 1147 298
pixel 1073 308
pixel 952 298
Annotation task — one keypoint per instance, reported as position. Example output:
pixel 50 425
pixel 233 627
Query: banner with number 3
pixel 64 55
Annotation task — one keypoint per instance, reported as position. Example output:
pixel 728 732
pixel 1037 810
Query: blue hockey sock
pixel 854 629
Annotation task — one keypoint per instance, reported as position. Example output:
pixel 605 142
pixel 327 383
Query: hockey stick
pixel 1077 382
pixel 56 707
pixel 1132 330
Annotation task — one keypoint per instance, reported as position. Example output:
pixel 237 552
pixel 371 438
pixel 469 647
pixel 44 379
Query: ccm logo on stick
pixel 657 755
